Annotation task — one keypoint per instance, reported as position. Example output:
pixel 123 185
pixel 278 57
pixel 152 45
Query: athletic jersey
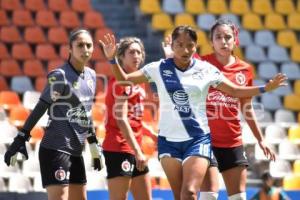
pixel 70 96
pixel 182 96
pixel 223 109
pixel 135 95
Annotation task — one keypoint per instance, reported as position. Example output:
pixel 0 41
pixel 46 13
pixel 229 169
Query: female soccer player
pixel 184 144
pixel 68 97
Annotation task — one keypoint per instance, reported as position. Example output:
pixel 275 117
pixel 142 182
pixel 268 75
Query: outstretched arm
pixel 109 47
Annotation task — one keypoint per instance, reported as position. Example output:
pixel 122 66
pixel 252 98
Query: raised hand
pixel 166 45
pixel 277 81
pixel 109 46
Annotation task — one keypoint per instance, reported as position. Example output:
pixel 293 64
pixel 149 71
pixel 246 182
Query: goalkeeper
pixel 68 98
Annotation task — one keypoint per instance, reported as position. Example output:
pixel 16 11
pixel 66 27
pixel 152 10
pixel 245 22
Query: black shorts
pixel 228 158
pixel 58 168
pixel 121 164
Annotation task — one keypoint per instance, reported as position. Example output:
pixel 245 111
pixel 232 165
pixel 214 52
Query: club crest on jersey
pixel 181 99
pixel 198 75
pixel 126 166
pixel 76 85
pixel 240 78
pixel 167 72
pixel 60 174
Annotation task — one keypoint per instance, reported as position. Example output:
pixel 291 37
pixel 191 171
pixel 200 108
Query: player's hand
pixel 166 45
pixel 277 81
pixel 267 151
pixel 141 161
pixel 96 153
pixel 109 46
pixel 18 146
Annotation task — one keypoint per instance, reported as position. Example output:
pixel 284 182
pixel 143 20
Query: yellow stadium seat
pixel 262 7
pixel 295 55
pixel 294 134
pixel 206 49
pixel 202 39
pixel 239 7
pixel 291 182
pixel 294 21
pixel 284 7
pixel 298 6
pixel 292 102
pixel 217 7
pixel 286 38
pixel 238 52
pixel 274 21
pixel 150 6
pixel 252 22
pixel 162 21
pixel 184 19
pixel 297 87
pixel 296 167
pixel 194 6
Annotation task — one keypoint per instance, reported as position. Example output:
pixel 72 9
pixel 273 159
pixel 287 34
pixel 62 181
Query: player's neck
pixel 225 60
pixel 78 66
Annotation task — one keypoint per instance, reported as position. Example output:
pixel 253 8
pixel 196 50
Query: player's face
pixel 223 40
pixel 133 57
pixel 82 48
pixel 184 48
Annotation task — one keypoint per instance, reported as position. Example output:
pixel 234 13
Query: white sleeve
pixel 215 75
pixel 151 71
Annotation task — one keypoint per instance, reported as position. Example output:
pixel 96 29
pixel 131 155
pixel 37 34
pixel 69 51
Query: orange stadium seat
pixel 40 83
pixel 97 54
pixel 284 7
pixel 239 7
pixel 292 102
pixel 286 38
pixel 33 68
pixel 3 84
pixel 150 6
pixel 58 35
pixel 22 51
pixel 11 4
pixel 53 64
pixel 100 32
pixel 64 51
pixel 148 146
pixel 291 182
pixel 252 22
pixel 58 5
pixel 34 35
pixel 69 19
pixel 10 34
pixel 3 18
pixel 45 52
pixel 34 5
pixel 93 20
pixel 296 167
pixel 45 18
pixel 217 7
pixel 9 99
pixel 98 114
pixel 18 115
pixel 162 22
pixel 37 134
pixel 104 68
pixel 295 56
pixel 274 21
pixel 4 54
pixel 10 68
pixel 195 6
pixel 294 21
pixel 81 6
pixel 262 7
pixel 22 18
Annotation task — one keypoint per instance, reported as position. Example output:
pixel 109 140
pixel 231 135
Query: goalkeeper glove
pixel 96 152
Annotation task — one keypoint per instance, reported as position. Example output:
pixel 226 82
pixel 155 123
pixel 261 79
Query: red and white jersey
pixel 222 109
pixel 135 94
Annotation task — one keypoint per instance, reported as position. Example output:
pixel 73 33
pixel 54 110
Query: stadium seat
pixel 69 19
pixel 277 54
pixel 294 21
pixel 161 22
pixel 37 134
pixel 280 168
pixel 96 181
pixel 93 20
pixel 100 32
pixel 255 53
pixel 262 7
pixel 40 83
pixel 282 116
pixel 10 68
pixel 205 49
pixel 3 83
pixel 64 51
pixel 7 172
pixel 18 115
pixel 184 19
pixel 34 5
pixel 274 134
pixel 3 187
pixel 21 84
pixel 296 167
pixel 275 22
pixel 292 102
pixel 58 35
pixel 37 184
pixel 291 182
pixel 9 99
pixel 231 17
pixel 3 18
pixel 239 7
pixel 284 7
pixel 45 19
pixel 295 56
pixel 247 135
pixel 252 22
pixel 31 167
pixel 45 51
pixel 11 4
pixel 81 6
pixel 294 134
pixel 58 5
pixel 271 101
pixel 4 54
pixel 164 183
pixel 33 68
pixel 266 70
pixel 205 21
pixel 217 7
pixel 288 150
pixel 150 6
pixel 291 69
pixel 283 91
pixel 53 64
pixel 245 38
pixel 172 6
pixel 98 54
pixel 30 99
pixel 259 154
pixel 98 113
pixel 195 7
pixel 104 68
pixel 286 38
pixel 10 34
pixel 297 87
pixel 22 18
pixel 202 39
pixel 264 38
pixel 19 183
pixel 34 35
pixel 264 117
pixel 22 51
